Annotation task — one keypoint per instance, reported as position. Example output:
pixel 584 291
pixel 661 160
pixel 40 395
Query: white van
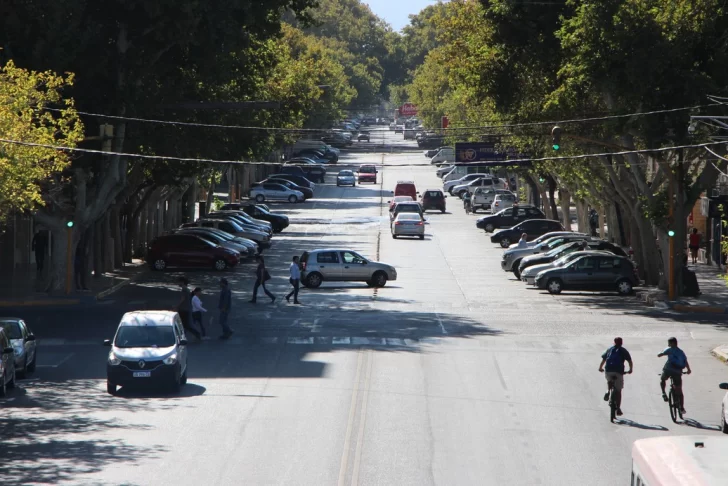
pixel 445 155
pixel 459 171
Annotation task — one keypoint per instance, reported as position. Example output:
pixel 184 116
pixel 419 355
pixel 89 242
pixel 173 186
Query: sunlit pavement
pixel 455 373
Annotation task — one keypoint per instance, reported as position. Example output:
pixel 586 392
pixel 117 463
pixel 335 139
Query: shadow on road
pixel 694 423
pixel 632 423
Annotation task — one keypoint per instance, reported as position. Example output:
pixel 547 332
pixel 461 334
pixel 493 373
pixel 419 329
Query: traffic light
pixel 556 138
pixel 70 224
pixel 670 233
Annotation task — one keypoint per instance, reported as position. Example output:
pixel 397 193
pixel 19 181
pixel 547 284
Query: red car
pixel 406 188
pixel 186 250
pixel 367 173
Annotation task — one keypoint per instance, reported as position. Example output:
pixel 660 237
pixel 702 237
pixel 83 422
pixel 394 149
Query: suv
pixel 449 185
pixel 487 181
pixel 7 363
pixel 367 173
pixel 483 197
pixel 406 207
pixel 149 348
pixel 406 188
pixel 433 199
pixel 591 272
pixel 343 265
pixel 509 217
pixel 533 229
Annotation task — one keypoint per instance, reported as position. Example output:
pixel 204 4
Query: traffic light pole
pixel 671 248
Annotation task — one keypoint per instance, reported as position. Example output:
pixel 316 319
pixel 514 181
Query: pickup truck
pixel 483 197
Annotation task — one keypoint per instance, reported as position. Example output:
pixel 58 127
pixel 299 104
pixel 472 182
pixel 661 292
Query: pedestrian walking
pixel 694 245
pixel 184 308
pixel 261 277
pixel 40 245
pixel 295 281
pixel 223 307
pixel 197 310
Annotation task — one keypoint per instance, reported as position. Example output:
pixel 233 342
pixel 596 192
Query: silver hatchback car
pixel 22 342
pixel 342 265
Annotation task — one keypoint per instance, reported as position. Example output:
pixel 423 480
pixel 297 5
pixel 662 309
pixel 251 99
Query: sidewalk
pixel 26 289
pixel 712 299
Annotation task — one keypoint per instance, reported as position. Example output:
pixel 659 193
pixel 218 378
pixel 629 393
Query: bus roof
pixel 689 460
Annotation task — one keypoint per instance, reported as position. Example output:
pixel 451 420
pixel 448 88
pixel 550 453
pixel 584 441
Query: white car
pixel 443 170
pixel 445 155
pixel 529 274
pixel 345 178
pixel 724 410
pixel 488 181
pixel 502 201
pixel 271 191
pixel 483 197
pixel 408 224
pixel 512 256
pixel 448 185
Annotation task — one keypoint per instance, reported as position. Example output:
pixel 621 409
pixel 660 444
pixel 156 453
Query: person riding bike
pixel 466 202
pixel 676 361
pixel 615 357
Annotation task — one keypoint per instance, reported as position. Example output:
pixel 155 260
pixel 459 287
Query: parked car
pixel 244 225
pixel 408 224
pixel 533 228
pixel 7 364
pixel 187 250
pixel 503 201
pixel 433 199
pixel 346 178
pixel 398 128
pixel 543 238
pixel 307 193
pixel 340 264
pixel 529 274
pixel 273 191
pixel 487 181
pixel 363 135
pixel 307 168
pixel 591 273
pixel 244 220
pixel 252 247
pixel 432 152
pixel 299 180
pixel 231 227
pixel 593 244
pixel 231 244
pixel 443 170
pixel 507 218
pixel 22 340
pixel 483 198
pixel 406 188
pixel 278 222
pixel 446 154
pixel 724 409
pixel 330 156
pixel 367 173
pixel 450 185
pixel 398 199
pixel 406 207
pixel 149 348
pixel 392 126
pixel 512 256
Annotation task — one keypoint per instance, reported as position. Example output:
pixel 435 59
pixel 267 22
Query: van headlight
pixel 170 360
pixel 114 360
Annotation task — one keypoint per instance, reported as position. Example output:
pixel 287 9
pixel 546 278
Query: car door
pixel 607 272
pixel 581 273
pixel 193 251
pixel 354 267
pixel 518 215
pixel 329 265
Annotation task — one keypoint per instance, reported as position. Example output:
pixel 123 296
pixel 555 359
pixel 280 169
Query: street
pixel 454 374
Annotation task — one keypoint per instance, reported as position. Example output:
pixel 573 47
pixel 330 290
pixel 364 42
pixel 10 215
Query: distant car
pixel 405 207
pixel 337 265
pixel 278 222
pixel 392 126
pixel 149 348
pixel 7 363
pixel 398 199
pixel 408 224
pixel 447 154
pixel 367 173
pixel 406 188
pixel 432 152
pixel 306 168
pixel 483 198
pixel 244 219
pixel 528 275
pixel 307 193
pixel 487 181
pixel 231 244
pixel 533 229
pixel 231 227
pixel 346 178
pixel 513 256
pixel 591 273
pixel 299 180
pixel 23 343
pixel 398 128
pixel 331 156
pixel 443 170
pixel 363 136
pixel 467 178
pixel 272 191
pixel 186 250
pixel 433 199
pixel 252 246
pixel 503 201
pixel 507 218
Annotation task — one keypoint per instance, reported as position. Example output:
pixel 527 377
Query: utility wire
pixel 310 130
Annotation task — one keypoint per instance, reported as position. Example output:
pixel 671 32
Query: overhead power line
pixel 314 130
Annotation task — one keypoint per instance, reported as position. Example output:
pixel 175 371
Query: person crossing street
pixel 295 281
pixel 223 307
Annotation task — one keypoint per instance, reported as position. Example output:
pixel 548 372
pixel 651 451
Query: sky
pixel 396 12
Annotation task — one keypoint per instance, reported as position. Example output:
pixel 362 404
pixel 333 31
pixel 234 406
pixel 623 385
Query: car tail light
pixel 397 223
pixel 420 223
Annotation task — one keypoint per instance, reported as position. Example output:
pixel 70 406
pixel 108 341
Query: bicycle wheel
pixel 673 406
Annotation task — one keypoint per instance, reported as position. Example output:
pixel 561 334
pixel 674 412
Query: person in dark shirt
pixel 184 308
pixel 261 277
pixel 614 358
pixel 40 245
pixel 223 307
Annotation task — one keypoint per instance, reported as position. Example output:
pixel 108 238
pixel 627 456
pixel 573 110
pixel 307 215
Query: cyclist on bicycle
pixel 676 361
pixel 466 202
pixel 615 357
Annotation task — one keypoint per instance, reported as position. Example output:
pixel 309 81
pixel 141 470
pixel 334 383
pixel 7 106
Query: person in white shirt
pixel 295 281
pixel 523 242
pixel 197 309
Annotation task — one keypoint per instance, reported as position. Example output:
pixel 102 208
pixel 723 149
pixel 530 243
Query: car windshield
pixel 12 329
pixel 409 217
pixel 366 170
pixel 557 250
pixel 144 337
pixel 347 173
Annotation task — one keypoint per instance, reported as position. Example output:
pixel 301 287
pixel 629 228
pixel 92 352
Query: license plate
pixel 142 374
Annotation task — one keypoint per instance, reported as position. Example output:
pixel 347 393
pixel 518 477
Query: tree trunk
pixel 582 216
pixel 565 201
pixel 552 199
pixel 117 238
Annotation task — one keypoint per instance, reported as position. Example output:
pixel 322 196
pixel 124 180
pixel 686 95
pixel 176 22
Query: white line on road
pixel 362 421
pixel 68 356
pixel 350 422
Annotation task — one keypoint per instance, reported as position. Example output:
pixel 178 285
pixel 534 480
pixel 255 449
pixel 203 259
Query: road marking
pixel 440 321
pixel 362 421
pixel 316 326
pixel 341 340
pixel 500 373
pixel 350 422
pixel 292 340
pixel 68 356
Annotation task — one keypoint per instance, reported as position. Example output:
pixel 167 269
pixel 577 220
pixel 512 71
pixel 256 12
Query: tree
pixel 24 95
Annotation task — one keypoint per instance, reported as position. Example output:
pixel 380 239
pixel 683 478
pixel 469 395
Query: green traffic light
pixel 70 224
pixel 671 233
pixel 556 146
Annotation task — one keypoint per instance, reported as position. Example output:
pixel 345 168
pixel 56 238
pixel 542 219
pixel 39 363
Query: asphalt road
pixel 453 374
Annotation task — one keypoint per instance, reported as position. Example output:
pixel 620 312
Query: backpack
pixel 615 360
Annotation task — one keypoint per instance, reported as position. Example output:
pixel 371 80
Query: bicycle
pixel 614 395
pixel 467 206
pixel 674 402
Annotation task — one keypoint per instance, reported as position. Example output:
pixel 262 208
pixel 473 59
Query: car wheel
pixel 292 198
pixel 260 198
pixel 489 228
pixel 110 388
pixel 624 287
pixel 183 378
pixel 516 272
pixel 474 209
pixel 442 210
pixel 31 365
pixel 220 264
pixel 554 286
pixel 723 423
pixel 176 385
pixel 394 237
pixel 158 264
pixel 338 185
pixel 379 279
pixel 505 242
pixel 314 280
pixel 422 237
pixel 11 383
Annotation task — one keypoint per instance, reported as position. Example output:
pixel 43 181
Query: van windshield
pixel 145 337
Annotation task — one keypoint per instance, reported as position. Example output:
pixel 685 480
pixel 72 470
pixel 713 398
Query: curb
pixel 39 302
pixel 707 309
pixel 721 352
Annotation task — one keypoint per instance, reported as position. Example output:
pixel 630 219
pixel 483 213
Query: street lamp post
pixel 69 257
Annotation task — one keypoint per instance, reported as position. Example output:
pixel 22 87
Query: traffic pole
pixel 69 261
pixel 671 248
